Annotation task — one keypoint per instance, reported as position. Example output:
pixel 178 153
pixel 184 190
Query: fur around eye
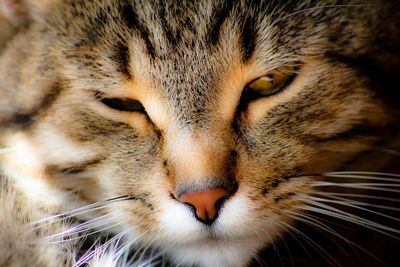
pixel 123 104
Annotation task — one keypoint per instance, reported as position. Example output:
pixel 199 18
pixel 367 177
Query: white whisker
pixel 83 227
pixel 90 254
pixel 313 244
pixel 336 213
pixel 352 185
pixel 310 220
pixel 359 203
pixel 315 222
pixel 122 251
pixel 79 211
pixel 388 151
pixel 272 243
pixel 358 196
pixel 365 175
pixel 143 252
pixel 356 207
pixel 88 233
pixel 287 249
pixel 295 238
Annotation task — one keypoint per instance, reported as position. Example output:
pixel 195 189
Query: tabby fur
pixel 188 63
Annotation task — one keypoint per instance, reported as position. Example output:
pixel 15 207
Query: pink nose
pixel 206 203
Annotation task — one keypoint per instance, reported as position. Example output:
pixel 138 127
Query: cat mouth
pixel 212 238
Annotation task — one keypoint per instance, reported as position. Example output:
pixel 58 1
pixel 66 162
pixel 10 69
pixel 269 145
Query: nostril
pixel 220 202
pixel 206 203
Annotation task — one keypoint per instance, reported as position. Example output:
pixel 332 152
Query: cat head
pixel 207 120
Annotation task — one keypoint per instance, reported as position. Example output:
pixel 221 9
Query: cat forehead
pixel 198 40
pixel 190 31
pixel 181 32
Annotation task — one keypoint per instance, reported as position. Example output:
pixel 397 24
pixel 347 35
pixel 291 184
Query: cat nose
pixel 206 203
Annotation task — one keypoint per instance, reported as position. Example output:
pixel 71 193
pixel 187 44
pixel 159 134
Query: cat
pixel 199 133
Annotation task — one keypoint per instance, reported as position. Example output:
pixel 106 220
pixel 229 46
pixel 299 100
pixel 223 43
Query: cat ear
pixel 15 11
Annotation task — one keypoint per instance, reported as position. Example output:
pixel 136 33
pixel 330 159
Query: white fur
pixel 57 148
pixel 22 157
pixel 226 243
pixel 178 223
pixel 224 254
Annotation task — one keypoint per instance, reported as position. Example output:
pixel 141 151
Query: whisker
pixel 295 238
pixel 359 203
pixel 351 185
pixel 388 151
pixel 272 243
pixel 89 255
pixel 358 196
pixel 315 222
pixel 372 184
pixel 72 213
pixel 349 219
pixel 310 220
pixel 152 257
pixel 313 244
pixel 88 233
pixel 85 209
pixel 260 261
pixel 83 227
pixel 287 249
pixel 159 254
pixel 336 213
pixel 354 206
pixel 289 232
pixel 365 175
pixel 143 252
pixel 122 251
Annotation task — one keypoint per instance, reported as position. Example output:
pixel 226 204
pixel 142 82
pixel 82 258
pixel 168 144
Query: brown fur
pixel 188 64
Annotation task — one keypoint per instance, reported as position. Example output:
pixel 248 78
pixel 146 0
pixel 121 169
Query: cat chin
pixel 217 253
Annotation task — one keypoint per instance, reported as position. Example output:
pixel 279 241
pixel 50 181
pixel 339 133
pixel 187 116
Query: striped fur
pixel 188 63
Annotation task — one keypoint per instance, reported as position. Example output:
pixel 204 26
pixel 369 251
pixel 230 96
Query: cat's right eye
pixel 123 104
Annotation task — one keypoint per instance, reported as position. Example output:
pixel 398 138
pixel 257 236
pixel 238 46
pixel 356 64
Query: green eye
pixel 269 84
pixel 123 104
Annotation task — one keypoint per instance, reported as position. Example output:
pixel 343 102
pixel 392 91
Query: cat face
pixel 166 105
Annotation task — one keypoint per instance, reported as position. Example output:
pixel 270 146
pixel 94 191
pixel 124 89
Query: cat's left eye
pixel 269 84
